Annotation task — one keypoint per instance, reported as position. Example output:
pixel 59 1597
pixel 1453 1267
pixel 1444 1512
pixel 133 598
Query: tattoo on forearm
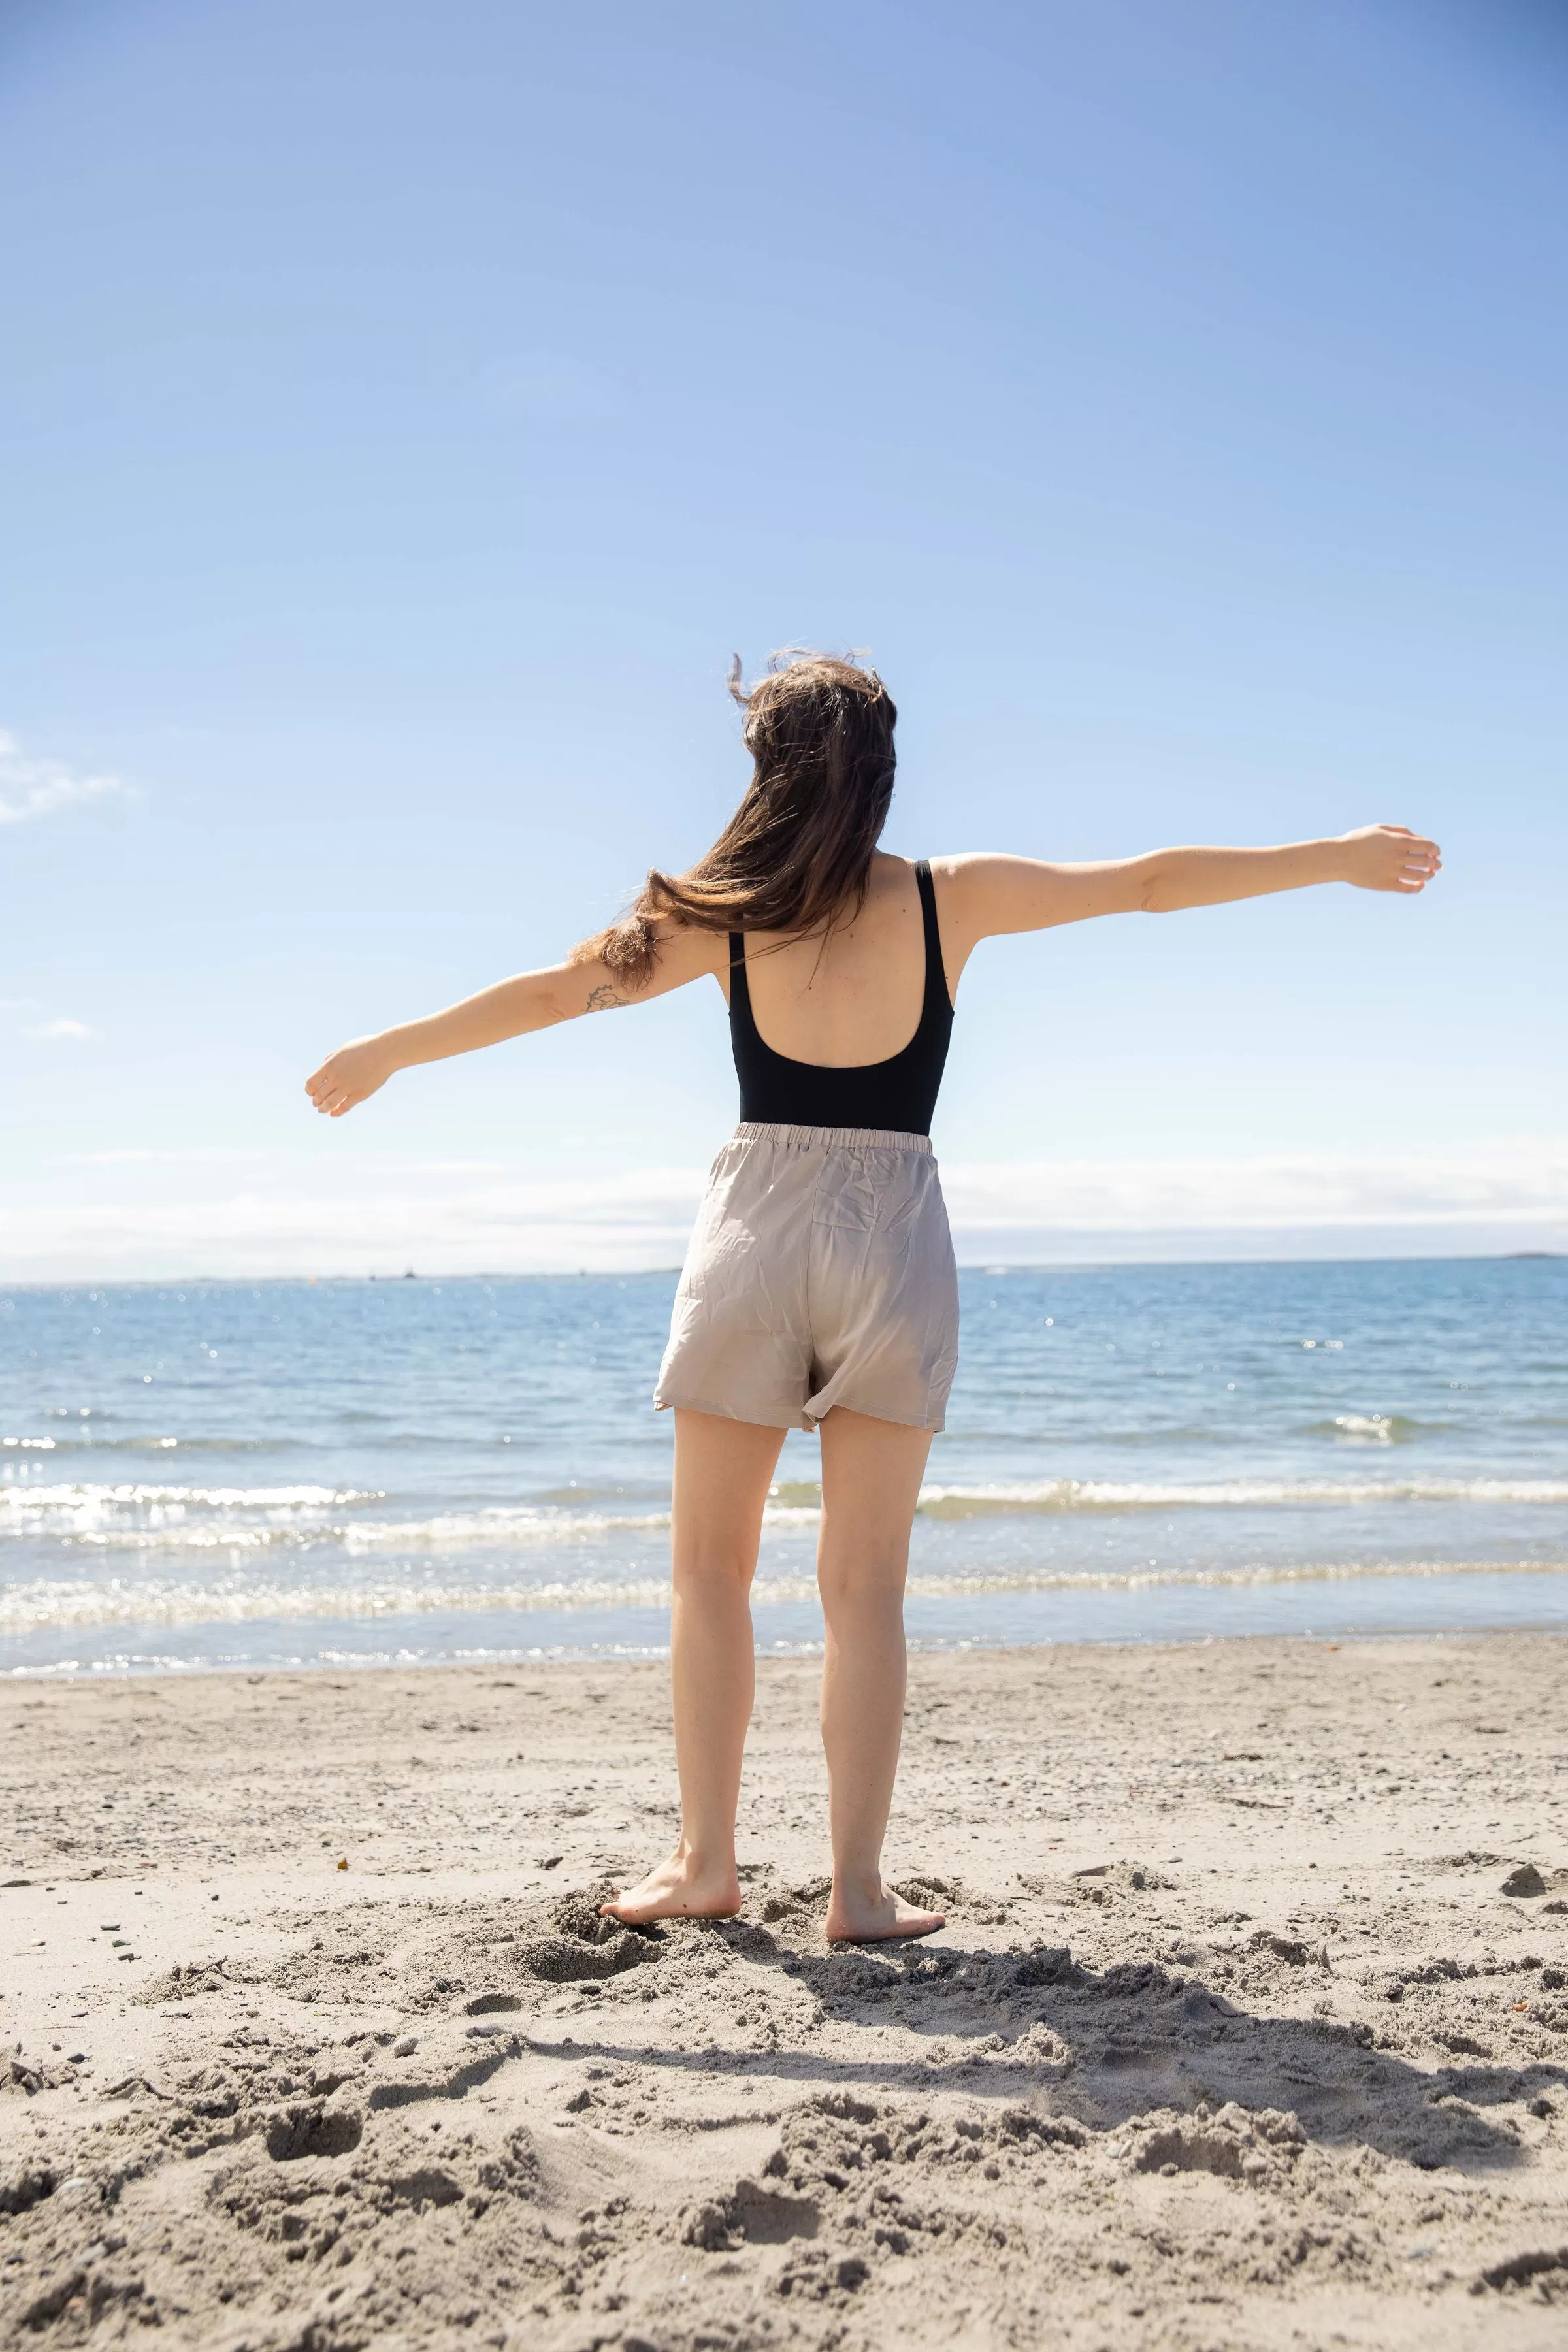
pixel 602 1000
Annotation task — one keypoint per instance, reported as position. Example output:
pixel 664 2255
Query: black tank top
pixel 898 1094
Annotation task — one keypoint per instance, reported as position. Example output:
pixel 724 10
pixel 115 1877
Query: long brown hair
pixel 797 855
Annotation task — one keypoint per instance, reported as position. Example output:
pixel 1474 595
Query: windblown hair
pixel 796 857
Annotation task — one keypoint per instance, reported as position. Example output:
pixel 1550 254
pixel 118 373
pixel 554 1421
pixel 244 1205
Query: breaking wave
pixel 148 1517
pixel 50 1604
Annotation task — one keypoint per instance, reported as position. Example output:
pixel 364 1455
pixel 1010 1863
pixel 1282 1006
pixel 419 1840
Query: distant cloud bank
pixel 206 1217
pixel 1501 1181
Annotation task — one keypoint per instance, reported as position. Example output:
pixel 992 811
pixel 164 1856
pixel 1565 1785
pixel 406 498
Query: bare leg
pixel 722 1470
pixel 871 1473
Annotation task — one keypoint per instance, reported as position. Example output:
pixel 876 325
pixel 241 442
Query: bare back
pixel 854 997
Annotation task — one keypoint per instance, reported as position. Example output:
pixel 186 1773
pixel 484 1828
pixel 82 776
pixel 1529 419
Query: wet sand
pixel 1248 2028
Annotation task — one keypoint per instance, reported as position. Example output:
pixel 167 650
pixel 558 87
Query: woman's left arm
pixel 984 895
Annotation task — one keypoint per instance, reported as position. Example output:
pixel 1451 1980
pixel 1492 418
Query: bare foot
pixel 853 1919
pixel 679 1888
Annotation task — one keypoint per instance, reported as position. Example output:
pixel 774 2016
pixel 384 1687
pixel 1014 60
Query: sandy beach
pixel 1249 2026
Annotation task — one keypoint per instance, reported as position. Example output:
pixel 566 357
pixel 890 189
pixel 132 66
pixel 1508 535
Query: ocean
pixel 354 1472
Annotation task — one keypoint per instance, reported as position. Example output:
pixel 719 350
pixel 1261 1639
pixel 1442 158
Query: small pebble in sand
pixel 1525 1880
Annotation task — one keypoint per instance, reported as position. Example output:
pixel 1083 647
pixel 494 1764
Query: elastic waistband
pixel 831 1139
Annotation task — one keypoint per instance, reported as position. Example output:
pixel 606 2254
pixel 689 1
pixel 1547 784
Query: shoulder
pixel 685 950
pixel 969 879
pixel 974 865
pixel 960 878
pixel 982 891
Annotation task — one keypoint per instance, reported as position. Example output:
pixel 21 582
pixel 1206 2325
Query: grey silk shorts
pixel 820 1272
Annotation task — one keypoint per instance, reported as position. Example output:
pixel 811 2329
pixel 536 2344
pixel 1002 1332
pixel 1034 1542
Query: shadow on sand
pixel 1104 2047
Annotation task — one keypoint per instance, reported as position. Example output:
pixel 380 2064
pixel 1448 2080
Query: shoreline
pixel 1233 2036
pixel 926 1596
pixel 92 1676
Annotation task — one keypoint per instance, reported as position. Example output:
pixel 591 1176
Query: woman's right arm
pixel 512 1008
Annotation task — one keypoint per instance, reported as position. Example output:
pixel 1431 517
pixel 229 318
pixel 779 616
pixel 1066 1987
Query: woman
pixel 819 1291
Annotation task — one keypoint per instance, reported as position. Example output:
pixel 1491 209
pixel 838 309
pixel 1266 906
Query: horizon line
pixel 634 1273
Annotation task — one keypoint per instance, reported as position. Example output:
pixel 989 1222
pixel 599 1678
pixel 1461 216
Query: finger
pixel 1417 841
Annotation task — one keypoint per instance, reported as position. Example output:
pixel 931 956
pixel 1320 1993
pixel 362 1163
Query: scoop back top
pixel 898 1094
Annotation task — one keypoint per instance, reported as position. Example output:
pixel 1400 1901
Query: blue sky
pixel 409 408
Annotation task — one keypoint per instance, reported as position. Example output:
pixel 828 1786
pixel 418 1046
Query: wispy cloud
pixel 43 1023
pixel 136 1155
pixel 34 788
pixel 63 1027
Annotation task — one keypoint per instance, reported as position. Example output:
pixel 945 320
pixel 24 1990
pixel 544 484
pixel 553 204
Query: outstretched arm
pixel 989 894
pixel 534 999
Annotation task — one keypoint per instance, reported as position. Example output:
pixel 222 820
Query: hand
pixel 351 1075
pixel 1389 857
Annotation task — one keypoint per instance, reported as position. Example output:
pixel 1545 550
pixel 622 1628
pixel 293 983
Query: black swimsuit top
pixel 898 1094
